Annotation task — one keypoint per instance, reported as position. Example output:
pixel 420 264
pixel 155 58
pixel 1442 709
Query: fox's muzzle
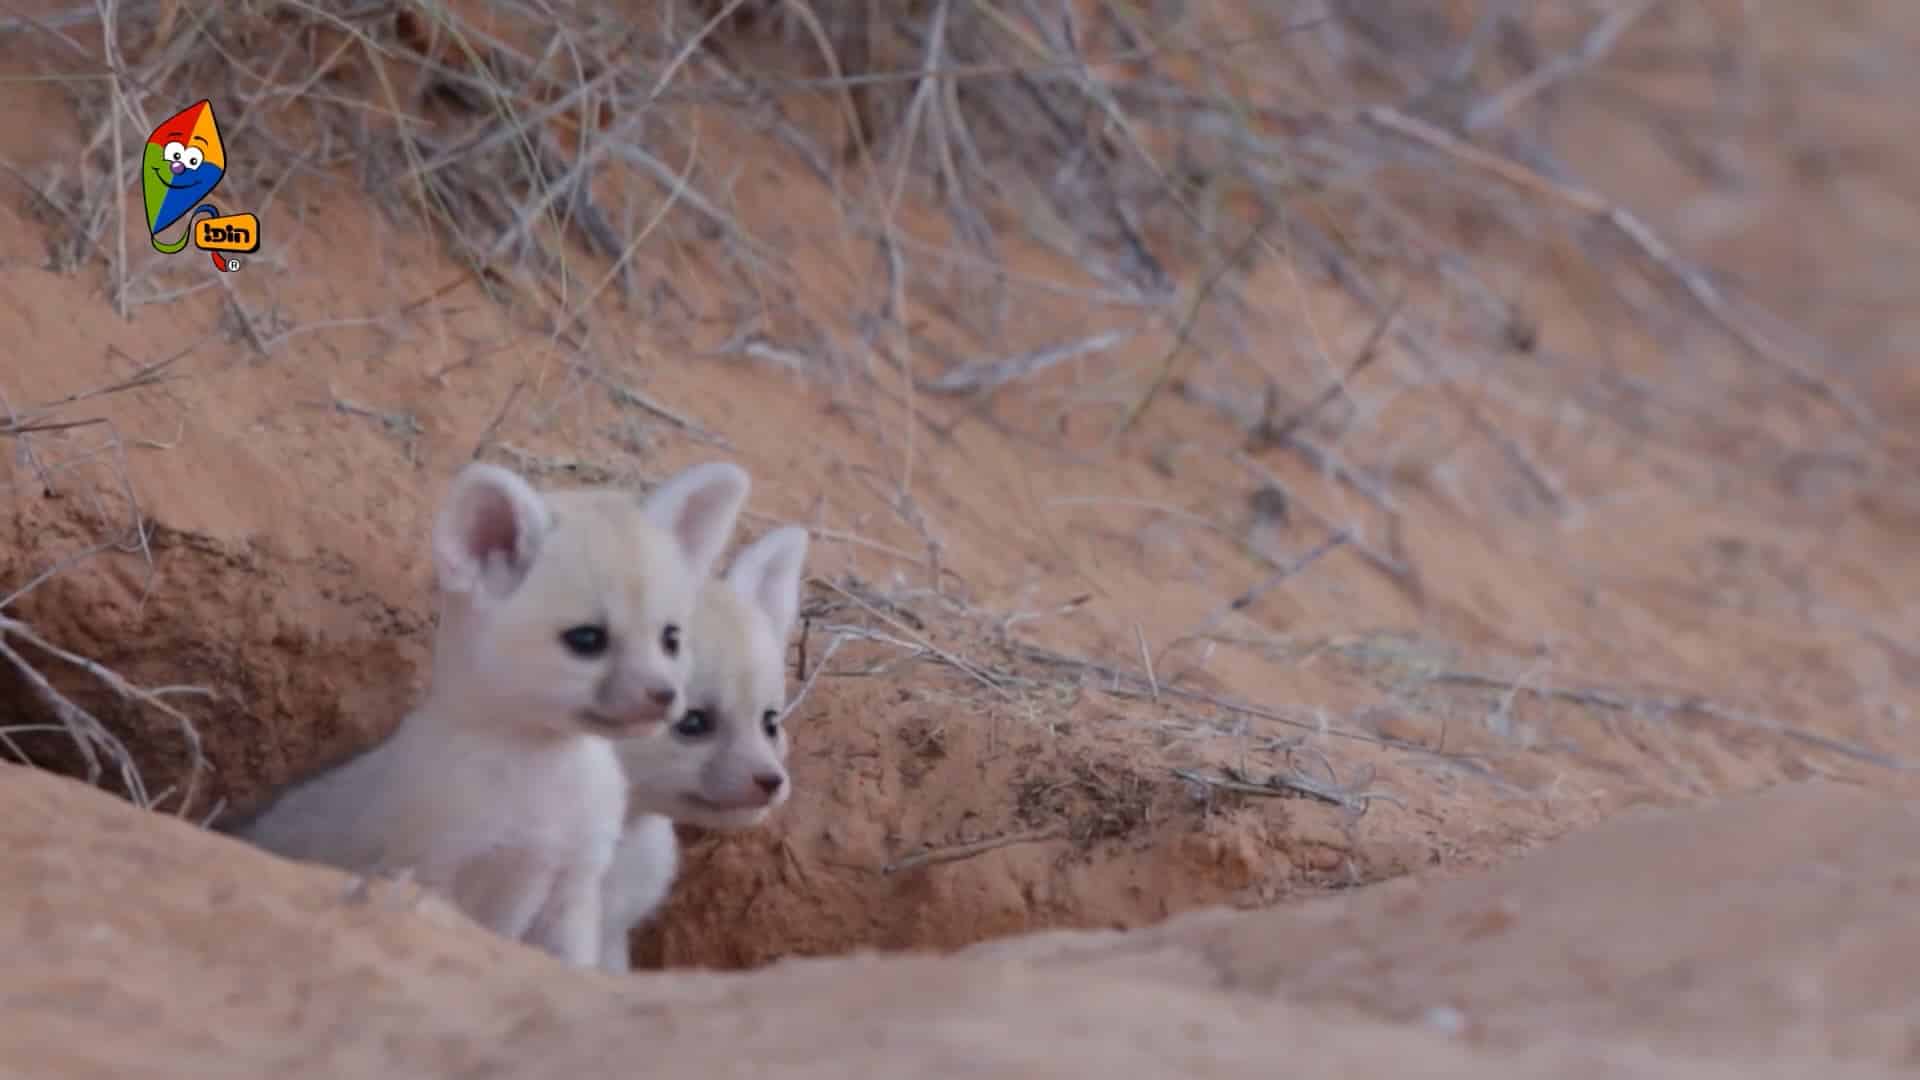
pixel 623 704
pixel 627 722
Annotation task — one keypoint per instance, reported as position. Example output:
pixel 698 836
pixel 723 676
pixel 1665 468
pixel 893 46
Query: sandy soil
pixel 1568 962
pixel 1710 597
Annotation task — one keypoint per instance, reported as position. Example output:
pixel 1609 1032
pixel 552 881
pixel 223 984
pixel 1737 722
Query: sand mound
pixel 1770 932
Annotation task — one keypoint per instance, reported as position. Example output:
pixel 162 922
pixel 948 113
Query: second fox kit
pixel 723 763
pixel 565 620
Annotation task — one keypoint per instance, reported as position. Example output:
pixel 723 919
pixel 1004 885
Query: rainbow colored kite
pixel 184 163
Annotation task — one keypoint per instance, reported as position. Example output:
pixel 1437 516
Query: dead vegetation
pixel 549 147
pixel 98 749
pixel 1350 229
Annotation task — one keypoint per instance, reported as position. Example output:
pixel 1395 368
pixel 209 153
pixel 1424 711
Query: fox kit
pixel 722 764
pixel 564 620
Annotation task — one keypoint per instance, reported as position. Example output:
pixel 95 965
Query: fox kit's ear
pixel 767 574
pixel 488 531
pixel 699 507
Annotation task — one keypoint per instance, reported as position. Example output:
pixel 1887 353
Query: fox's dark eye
pixel 770 722
pixel 694 724
pixel 587 640
pixel 670 640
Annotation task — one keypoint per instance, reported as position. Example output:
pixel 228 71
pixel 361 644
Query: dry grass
pixel 98 748
pixel 552 146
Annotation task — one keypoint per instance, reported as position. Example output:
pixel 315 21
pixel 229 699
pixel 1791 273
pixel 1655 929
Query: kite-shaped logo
pixel 185 161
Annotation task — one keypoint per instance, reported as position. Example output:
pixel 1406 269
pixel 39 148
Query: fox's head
pixel 722 763
pixel 570 610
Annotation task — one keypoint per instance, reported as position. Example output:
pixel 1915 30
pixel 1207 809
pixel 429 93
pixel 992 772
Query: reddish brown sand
pixel 1757 565
pixel 1767 937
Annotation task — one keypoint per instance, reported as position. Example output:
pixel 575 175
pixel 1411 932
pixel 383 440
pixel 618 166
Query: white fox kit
pixel 564 620
pixel 722 764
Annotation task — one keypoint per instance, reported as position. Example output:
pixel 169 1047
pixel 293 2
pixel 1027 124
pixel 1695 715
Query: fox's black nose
pixel 769 782
pixel 664 696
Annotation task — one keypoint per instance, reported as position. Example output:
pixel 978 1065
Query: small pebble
pixel 1446 1018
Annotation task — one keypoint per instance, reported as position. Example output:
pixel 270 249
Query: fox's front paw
pixel 568 925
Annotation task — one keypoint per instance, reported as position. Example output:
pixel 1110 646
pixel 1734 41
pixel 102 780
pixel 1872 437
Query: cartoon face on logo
pixel 184 163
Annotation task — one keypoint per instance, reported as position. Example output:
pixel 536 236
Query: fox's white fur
pixel 722 764
pixel 565 619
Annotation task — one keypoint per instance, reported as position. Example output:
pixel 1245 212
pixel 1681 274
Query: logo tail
pixel 186 237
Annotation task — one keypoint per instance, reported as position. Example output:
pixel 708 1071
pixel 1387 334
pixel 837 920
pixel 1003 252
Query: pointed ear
pixel 699 506
pixel 766 574
pixel 489 529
